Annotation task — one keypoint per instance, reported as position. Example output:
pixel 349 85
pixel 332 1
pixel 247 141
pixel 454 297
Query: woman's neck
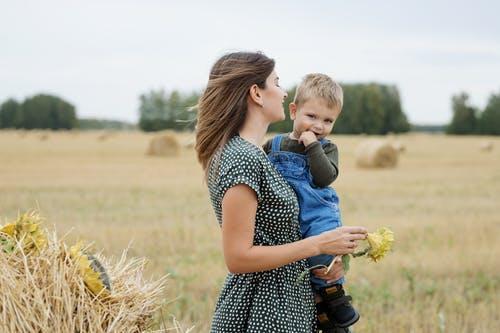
pixel 254 131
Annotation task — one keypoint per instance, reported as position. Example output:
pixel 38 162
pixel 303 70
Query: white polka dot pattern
pixel 268 301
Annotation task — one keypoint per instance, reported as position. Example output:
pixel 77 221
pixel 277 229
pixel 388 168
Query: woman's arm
pixel 239 207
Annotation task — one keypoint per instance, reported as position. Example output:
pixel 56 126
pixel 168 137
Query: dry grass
pixel 441 201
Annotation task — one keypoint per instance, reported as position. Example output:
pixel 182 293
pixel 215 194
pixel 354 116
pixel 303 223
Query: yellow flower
pixel 8 229
pixel 380 243
pixel 25 230
pixel 93 273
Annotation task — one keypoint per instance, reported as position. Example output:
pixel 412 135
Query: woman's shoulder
pixel 238 151
pixel 237 156
pixel 237 162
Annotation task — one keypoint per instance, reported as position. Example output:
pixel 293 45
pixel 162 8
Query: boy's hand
pixel 307 137
pixel 335 273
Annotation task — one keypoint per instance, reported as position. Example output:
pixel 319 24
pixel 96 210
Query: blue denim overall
pixel 319 206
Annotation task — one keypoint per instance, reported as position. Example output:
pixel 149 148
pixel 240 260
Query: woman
pixel 256 208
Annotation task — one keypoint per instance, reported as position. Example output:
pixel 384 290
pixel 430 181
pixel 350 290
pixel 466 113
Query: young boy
pixel 309 163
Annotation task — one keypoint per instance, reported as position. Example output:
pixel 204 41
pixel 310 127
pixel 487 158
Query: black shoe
pixel 337 330
pixel 338 306
pixel 322 320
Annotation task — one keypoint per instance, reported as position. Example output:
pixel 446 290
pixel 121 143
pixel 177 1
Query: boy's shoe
pixel 337 330
pixel 338 306
pixel 323 322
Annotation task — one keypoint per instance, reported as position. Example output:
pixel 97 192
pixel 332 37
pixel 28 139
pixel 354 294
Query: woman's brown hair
pixel 222 107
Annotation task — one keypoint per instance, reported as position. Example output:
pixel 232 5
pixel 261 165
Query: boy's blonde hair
pixel 316 85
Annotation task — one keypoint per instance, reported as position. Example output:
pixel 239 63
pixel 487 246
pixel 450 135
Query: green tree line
pixel 368 108
pixel 468 119
pixel 39 111
pixel 159 110
pixel 104 124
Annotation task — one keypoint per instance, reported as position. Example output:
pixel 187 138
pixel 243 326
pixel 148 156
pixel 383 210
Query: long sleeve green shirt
pixel 323 160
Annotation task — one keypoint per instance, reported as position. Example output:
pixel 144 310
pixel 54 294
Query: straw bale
pixel 164 145
pixel 43 137
pixel 105 136
pixel 376 153
pixel 44 291
pixel 189 143
pixel 400 147
pixel 486 146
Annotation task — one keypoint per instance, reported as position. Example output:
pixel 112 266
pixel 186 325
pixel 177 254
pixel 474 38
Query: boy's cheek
pixel 304 125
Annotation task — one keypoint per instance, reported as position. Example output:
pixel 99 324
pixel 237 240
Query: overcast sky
pixel 101 55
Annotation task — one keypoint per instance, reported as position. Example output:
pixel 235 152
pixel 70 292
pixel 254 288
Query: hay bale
pixel 486 146
pixel 44 290
pixel 164 145
pixel 376 153
pixel 400 147
pixel 189 143
pixel 43 137
pixel 105 136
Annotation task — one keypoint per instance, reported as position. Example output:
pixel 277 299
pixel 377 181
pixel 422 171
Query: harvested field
pixel 441 201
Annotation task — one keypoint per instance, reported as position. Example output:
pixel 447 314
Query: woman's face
pixel 273 97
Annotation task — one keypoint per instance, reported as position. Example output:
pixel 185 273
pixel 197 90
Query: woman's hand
pixel 341 240
pixel 335 273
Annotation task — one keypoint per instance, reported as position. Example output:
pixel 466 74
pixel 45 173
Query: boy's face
pixel 315 116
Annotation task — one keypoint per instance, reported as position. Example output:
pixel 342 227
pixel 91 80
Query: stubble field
pixel 442 201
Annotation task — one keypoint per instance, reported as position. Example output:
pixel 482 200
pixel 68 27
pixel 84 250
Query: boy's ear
pixel 255 95
pixel 293 110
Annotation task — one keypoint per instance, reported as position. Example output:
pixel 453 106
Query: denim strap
pixel 276 143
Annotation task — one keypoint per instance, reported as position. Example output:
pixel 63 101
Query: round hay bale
pixel 105 136
pixel 376 153
pixel 486 146
pixel 399 146
pixel 189 143
pixel 43 137
pixel 43 288
pixel 164 145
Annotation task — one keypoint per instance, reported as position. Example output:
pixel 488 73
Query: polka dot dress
pixel 268 301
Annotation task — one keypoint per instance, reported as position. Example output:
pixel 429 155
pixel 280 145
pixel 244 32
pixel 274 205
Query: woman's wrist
pixel 315 246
